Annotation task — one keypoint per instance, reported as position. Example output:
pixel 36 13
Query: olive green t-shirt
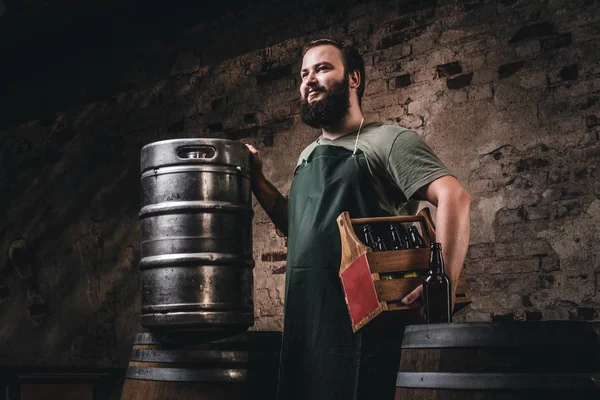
pixel 399 161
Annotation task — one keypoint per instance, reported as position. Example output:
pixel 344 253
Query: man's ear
pixel 354 79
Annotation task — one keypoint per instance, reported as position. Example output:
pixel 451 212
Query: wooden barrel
pixel 181 366
pixel 508 360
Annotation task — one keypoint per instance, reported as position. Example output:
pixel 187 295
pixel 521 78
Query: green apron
pixel 321 358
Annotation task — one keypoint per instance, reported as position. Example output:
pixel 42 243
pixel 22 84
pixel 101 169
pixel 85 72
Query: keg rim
pixel 164 153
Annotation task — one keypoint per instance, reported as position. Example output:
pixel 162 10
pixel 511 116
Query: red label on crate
pixel 360 290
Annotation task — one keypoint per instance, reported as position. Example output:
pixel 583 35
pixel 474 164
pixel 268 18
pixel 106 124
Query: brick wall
pixel 505 91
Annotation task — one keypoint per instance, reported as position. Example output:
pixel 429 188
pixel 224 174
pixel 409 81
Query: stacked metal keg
pixel 197 277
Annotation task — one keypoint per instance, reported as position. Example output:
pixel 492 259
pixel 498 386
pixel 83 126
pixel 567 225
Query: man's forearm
pixel 272 201
pixel 453 222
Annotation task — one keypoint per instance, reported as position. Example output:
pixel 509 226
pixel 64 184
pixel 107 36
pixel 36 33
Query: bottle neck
pixel 436 261
pixel 438 270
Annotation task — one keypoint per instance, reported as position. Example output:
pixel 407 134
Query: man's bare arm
pixel 271 200
pixel 453 224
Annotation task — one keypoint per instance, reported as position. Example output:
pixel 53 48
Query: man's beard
pixel 329 111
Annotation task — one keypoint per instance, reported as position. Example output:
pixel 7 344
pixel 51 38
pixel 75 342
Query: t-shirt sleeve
pixel 412 164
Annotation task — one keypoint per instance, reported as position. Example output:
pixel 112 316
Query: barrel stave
pixel 518 360
pixel 171 366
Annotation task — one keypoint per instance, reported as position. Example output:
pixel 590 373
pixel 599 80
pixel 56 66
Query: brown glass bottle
pixel 436 289
pixel 381 246
pixel 396 236
pixel 368 237
pixel 416 240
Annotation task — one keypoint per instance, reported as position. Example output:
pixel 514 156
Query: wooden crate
pixel 367 295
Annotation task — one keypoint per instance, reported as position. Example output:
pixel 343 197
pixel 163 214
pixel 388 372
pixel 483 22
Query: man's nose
pixel 311 79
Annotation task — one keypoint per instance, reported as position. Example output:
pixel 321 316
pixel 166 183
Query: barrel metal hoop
pixel 176 207
pixel 187 375
pixel 248 338
pixel 517 334
pixel 496 381
pixel 169 260
pixel 187 356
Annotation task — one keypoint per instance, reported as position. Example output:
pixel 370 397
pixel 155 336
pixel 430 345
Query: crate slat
pixel 399 260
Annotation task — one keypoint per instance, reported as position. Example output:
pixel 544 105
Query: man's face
pixel 325 91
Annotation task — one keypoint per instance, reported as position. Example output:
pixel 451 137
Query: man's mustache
pixel 315 89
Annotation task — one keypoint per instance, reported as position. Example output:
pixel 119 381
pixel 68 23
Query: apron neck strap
pixel 357 134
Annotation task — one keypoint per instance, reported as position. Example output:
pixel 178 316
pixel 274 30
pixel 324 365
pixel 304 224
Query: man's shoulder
pixel 306 152
pixel 379 134
pixel 385 130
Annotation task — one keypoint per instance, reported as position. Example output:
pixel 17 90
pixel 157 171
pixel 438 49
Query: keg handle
pixel 196 152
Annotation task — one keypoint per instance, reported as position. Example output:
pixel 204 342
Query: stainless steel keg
pixel 196 235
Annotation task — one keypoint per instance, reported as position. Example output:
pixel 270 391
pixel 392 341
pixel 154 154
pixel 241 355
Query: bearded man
pixel 368 169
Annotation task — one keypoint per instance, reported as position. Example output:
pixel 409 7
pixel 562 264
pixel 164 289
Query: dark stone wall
pixel 506 92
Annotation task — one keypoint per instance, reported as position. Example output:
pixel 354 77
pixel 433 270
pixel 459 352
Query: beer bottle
pixel 416 240
pixel 407 241
pixel 397 242
pixel 436 289
pixel 368 237
pixel 381 246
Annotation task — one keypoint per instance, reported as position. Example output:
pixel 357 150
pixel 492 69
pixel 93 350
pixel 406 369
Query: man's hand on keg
pixel 256 165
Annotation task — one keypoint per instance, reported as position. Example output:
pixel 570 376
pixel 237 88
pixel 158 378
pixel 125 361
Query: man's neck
pixel 349 123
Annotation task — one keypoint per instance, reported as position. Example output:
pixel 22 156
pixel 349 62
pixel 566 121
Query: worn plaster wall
pixel 505 91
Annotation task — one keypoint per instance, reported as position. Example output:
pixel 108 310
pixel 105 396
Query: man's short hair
pixel 351 58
